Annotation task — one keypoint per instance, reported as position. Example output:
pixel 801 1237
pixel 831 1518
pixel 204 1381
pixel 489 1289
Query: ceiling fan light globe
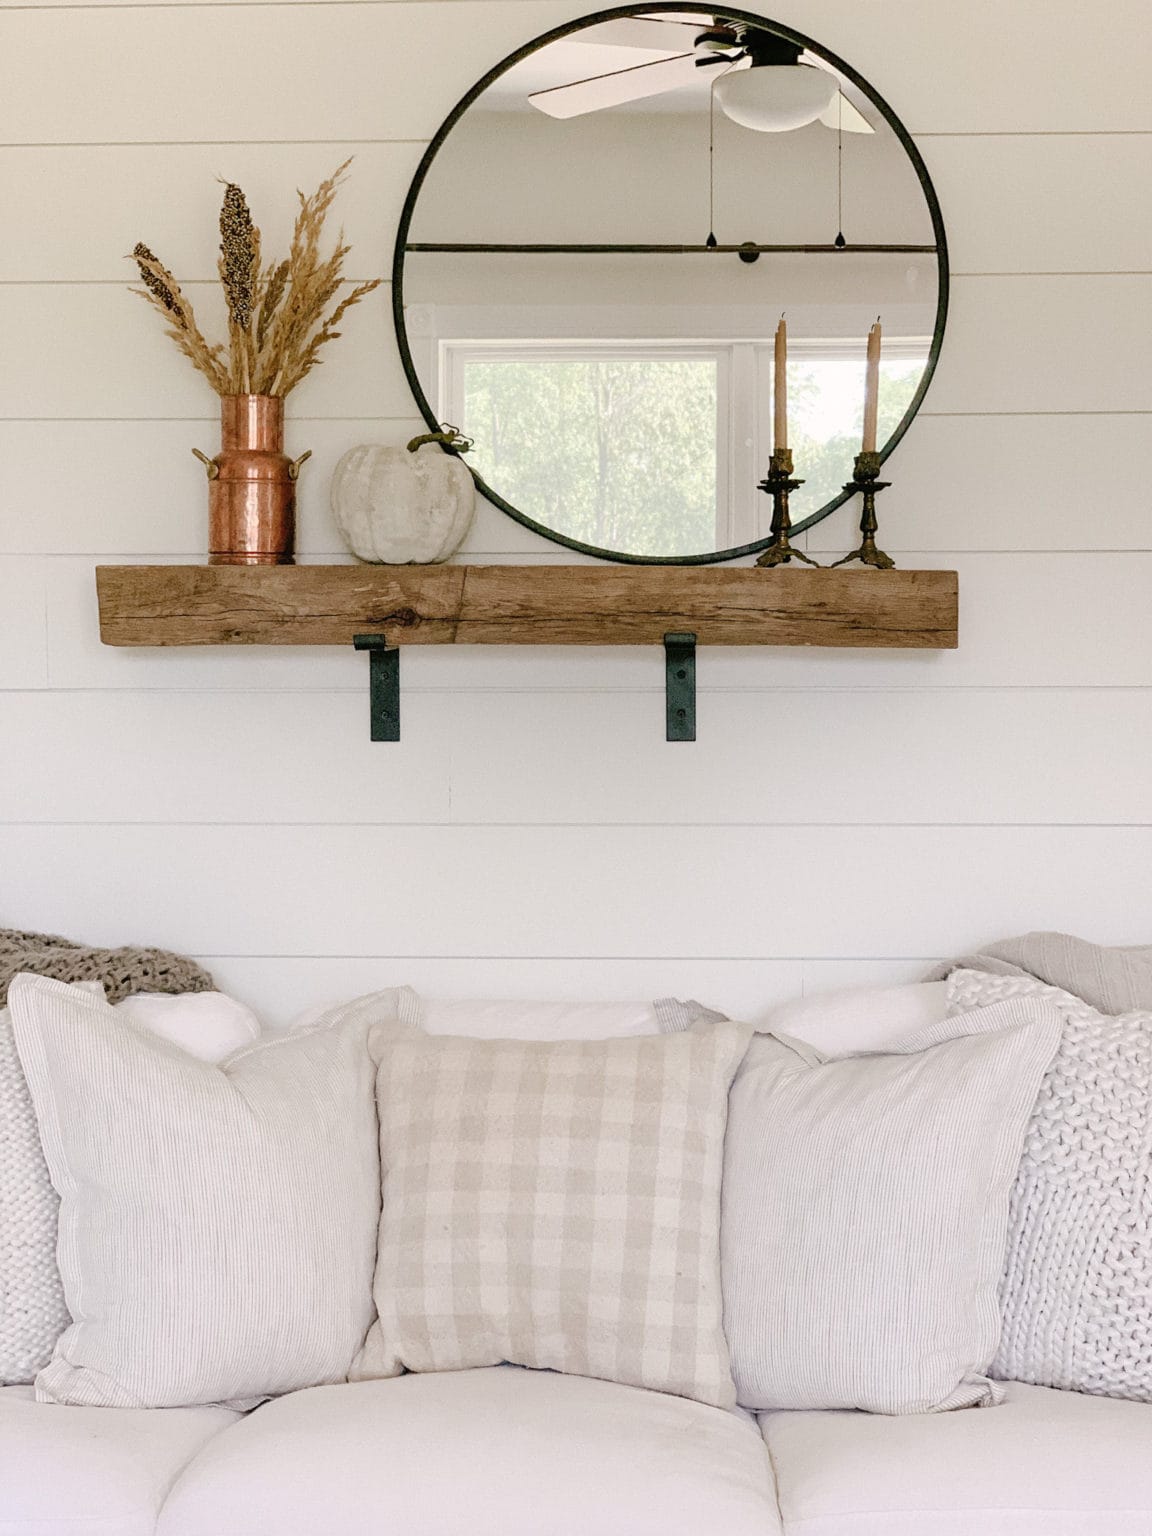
pixel 775 98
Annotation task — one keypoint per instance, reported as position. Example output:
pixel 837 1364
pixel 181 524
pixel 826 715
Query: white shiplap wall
pixel 842 816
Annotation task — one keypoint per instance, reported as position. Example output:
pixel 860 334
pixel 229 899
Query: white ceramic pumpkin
pixel 404 506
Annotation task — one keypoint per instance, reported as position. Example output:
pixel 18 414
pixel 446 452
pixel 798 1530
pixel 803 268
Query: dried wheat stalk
pixel 279 316
pixel 162 291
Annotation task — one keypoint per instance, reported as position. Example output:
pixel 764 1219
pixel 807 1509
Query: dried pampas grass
pixel 279 315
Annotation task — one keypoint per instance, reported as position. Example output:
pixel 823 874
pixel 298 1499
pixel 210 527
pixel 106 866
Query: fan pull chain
pixel 840 241
pixel 711 240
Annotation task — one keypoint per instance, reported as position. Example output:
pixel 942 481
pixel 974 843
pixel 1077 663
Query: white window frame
pixel 744 375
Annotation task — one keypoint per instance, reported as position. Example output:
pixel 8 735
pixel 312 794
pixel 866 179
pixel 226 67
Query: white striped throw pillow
pixel 33 1314
pixel 555 1204
pixel 217 1223
pixel 866 1213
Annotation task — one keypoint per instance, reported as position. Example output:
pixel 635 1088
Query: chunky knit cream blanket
pixel 1077 1288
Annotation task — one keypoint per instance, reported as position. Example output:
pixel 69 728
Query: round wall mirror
pixel 598 248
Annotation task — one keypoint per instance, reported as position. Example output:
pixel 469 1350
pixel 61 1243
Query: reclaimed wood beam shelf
pixel 379 607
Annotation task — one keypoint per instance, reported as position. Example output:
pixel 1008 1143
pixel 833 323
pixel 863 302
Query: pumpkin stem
pixel 451 439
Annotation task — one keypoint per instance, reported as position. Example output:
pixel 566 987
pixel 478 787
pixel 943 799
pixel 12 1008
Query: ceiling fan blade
pixel 840 113
pixel 617 88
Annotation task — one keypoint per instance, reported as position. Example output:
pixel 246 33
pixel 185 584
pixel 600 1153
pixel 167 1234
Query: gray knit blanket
pixel 1076 1295
pixel 122 971
pixel 1110 979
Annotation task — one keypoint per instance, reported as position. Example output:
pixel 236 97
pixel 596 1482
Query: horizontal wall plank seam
pixel 521 556
pixel 1077 272
pixel 947 415
pixel 562 690
pixel 1032 133
pixel 208 282
pixel 583 690
pixel 228 5
pixel 214 417
pixel 12 145
pixel 592 959
pixel 348 282
pixel 458 693
pixel 935 415
pixel 670 827
pixel 559 557
pixel 244 5
pixel 16 145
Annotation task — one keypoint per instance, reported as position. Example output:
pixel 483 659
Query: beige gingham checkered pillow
pixel 554 1205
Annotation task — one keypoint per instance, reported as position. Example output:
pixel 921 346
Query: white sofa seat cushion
pixel 500 1451
pixel 1044 1463
pixel 92 1471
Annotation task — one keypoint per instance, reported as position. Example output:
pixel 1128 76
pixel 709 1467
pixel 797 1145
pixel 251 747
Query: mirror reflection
pixel 600 253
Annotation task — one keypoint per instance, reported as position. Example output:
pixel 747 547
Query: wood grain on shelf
pixel 524 605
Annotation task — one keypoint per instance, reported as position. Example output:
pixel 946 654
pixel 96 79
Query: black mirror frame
pixel 594 19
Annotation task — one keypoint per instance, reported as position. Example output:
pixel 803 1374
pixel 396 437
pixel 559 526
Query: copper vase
pixel 251 485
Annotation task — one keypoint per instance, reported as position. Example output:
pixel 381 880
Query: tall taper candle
pixel 780 389
pixel 871 389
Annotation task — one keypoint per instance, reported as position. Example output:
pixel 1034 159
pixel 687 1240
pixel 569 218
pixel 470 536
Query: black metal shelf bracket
pixel 680 686
pixel 383 685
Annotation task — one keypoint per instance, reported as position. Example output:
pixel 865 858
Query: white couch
pixel 509 1452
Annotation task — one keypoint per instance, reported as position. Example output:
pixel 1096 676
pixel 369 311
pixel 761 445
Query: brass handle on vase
pixel 294 467
pixel 209 464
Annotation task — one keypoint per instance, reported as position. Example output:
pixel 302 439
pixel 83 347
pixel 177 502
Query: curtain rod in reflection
pixel 747 249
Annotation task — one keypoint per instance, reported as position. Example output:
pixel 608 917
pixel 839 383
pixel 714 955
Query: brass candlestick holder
pixel 865 479
pixel 779 484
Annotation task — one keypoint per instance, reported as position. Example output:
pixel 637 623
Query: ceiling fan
pixel 767 83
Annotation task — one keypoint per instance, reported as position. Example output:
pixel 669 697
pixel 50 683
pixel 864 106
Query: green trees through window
pixel 619 452
pixel 826 406
pixel 625 449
